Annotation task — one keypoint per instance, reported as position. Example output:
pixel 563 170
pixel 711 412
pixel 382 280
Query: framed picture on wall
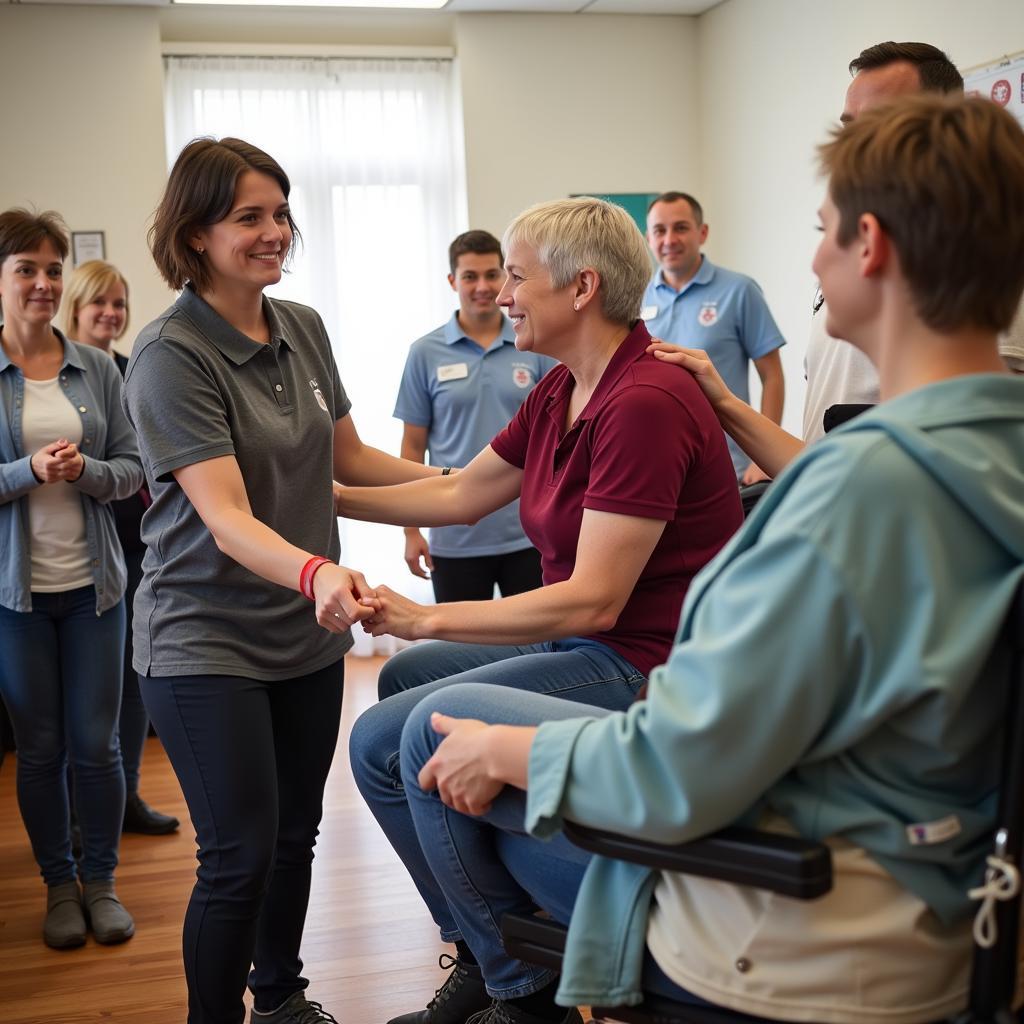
pixel 87 245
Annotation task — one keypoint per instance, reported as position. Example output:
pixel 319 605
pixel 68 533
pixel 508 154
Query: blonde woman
pixel 96 314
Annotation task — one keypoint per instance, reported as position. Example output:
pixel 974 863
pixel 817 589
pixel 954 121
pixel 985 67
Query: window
pixel 373 149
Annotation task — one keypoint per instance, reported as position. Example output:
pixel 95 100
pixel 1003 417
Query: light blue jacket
pixel 112 470
pixel 833 664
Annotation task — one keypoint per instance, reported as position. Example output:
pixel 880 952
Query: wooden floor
pixel 370 949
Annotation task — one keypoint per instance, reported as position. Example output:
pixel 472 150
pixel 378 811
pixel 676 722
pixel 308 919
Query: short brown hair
pixel 480 242
pixel 199 192
pixel 944 176
pixel 22 231
pixel 87 282
pixel 935 71
pixel 675 197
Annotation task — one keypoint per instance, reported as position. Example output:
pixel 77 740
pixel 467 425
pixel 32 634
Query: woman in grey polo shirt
pixel 243 425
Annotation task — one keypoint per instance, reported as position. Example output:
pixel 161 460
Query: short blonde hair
pixel 571 234
pixel 86 283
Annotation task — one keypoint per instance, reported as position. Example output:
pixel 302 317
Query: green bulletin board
pixel 634 203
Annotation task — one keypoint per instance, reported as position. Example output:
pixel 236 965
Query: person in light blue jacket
pixel 836 672
pixel 66 451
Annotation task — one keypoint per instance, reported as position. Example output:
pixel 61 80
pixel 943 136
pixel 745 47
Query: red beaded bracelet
pixel 309 570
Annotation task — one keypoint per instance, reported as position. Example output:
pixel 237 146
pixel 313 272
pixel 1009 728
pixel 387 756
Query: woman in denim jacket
pixel 66 452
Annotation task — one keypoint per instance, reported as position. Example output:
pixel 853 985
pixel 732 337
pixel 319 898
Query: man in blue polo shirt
pixel 462 384
pixel 692 302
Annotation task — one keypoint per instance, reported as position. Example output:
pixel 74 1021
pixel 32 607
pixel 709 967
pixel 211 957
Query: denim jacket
pixel 112 470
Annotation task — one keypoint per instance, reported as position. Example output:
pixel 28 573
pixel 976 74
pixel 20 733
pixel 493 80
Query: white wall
pixel 561 104
pixel 83 128
pixel 728 105
pixel 773 74
pixel 553 105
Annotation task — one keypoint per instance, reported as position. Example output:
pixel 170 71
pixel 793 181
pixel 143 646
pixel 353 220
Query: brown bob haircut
pixel 22 231
pixel 200 192
pixel 944 176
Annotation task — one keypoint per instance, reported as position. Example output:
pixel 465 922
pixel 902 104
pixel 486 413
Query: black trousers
pixel 252 758
pixel 474 579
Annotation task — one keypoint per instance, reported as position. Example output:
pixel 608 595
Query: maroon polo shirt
pixel 647 444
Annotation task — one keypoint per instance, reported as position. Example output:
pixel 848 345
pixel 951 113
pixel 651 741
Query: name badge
pixel 453 371
pixel 648 312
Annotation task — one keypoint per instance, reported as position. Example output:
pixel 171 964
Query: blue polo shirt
pixel 464 396
pixel 723 313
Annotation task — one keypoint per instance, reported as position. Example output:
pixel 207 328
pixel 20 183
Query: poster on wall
pixel 1002 81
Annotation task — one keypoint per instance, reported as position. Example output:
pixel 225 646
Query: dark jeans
pixel 60 677
pixel 252 758
pixel 474 579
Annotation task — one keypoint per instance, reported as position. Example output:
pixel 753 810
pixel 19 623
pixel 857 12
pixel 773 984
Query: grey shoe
pixel 296 1009
pixel 65 922
pixel 109 921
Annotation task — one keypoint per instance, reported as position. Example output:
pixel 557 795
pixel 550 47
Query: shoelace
pixel 494 1014
pixel 1002 882
pixel 314 1013
pixel 452 983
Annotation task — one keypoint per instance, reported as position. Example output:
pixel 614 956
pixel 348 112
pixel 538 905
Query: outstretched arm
pixel 217 491
pixel 486 484
pixel 771 447
pixel 611 553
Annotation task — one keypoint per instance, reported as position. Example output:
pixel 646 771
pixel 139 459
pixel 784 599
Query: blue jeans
pixel 60 677
pixel 252 759
pixel 575 670
pixel 488 866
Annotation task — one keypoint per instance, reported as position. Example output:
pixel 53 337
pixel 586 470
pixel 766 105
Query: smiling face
pixel 541 314
pixel 101 320
pixel 31 284
pixel 246 250
pixel 675 235
pixel 478 279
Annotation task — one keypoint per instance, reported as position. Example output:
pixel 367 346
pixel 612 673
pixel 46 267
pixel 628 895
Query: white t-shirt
pixel 60 552
pixel 837 374
pixel 868 951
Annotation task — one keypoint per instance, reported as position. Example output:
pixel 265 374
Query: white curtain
pixel 373 149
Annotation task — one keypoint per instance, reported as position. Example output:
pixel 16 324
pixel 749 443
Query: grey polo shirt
pixel 196 389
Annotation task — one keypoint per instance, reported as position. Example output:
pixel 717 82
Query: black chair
pixel 803 870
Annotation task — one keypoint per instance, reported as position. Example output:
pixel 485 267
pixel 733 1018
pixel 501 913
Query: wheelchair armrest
pixel 787 865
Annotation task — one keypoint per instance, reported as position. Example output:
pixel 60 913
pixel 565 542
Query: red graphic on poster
pixel 1001 92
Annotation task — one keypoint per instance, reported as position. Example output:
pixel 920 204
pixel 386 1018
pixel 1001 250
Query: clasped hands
pixel 343 598
pixel 59 460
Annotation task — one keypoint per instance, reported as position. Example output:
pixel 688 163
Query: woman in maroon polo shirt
pixel 626 489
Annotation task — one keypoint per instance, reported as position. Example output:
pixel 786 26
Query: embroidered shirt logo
pixel 708 315
pixel 318 394
pixel 521 377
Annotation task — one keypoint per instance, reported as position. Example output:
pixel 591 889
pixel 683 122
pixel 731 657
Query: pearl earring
pixel 200 250
pixel 576 306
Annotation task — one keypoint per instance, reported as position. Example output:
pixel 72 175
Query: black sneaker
pixel 140 817
pixel 500 1012
pixel 296 1009
pixel 461 996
